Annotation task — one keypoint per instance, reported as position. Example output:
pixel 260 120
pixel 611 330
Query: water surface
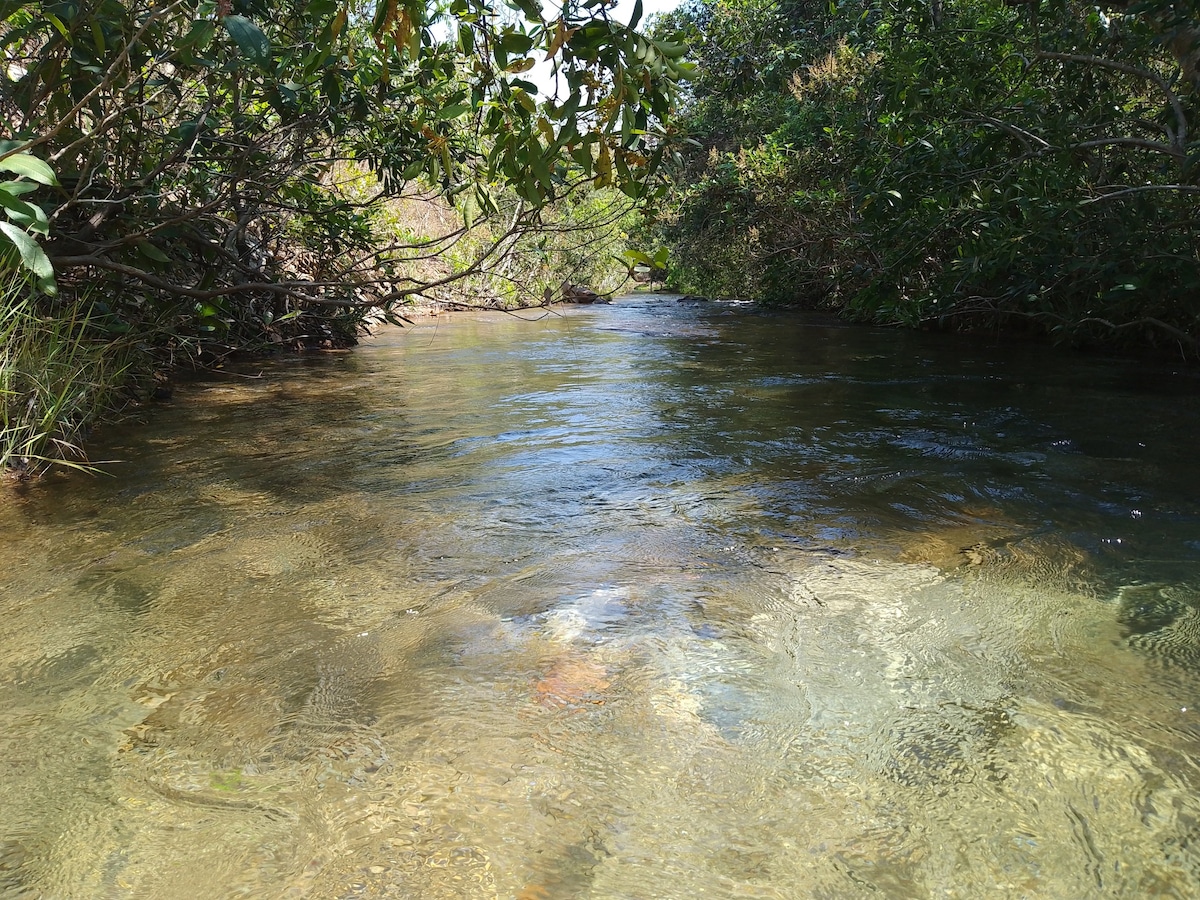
pixel 655 600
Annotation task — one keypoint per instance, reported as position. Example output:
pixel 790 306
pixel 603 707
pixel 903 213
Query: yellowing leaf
pixel 603 166
pixel 525 100
pixel 562 34
pixel 339 22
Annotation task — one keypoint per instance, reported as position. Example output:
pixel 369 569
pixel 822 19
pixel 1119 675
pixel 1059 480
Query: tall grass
pixel 58 375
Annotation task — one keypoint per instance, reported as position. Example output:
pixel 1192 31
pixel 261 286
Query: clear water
pixel 648 601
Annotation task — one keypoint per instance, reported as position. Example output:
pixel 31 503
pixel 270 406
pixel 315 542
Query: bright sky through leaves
pixel 540 74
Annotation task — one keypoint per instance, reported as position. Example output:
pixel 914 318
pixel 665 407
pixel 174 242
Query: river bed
pixel 653 600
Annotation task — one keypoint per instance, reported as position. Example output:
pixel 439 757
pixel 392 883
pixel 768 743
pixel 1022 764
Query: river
pixel 654 600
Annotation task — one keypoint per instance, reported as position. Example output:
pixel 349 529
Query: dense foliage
pixel 965 162
pixel 220 173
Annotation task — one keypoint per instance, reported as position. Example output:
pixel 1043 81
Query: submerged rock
pixel 573 680
pixel 1162 622
pixel 1146 608
pixel 574 293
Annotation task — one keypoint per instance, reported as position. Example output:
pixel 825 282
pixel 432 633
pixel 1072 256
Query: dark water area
pixel 649 600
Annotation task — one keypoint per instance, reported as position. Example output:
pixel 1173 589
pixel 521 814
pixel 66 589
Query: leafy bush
pixel 971 163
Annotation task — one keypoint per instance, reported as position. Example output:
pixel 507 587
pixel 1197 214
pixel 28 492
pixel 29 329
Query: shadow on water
pixel 905 434
pixel 649 600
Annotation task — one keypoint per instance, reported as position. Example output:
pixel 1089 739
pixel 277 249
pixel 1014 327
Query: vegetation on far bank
pixel 1027 166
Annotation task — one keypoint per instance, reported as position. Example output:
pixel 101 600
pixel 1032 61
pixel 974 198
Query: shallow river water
pixel 655 600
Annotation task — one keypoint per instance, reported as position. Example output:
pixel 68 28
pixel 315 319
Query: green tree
pixel 973 163
pixel 198 144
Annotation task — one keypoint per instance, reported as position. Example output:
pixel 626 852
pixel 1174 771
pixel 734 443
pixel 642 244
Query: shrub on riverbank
pixel 577 239
pixel 974 164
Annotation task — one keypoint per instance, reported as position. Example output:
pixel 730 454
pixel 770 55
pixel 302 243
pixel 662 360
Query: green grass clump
pixel 58 375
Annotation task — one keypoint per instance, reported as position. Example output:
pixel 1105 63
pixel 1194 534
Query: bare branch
pixel 1145 188
pixel 290 288
pixel 1155 146
pixel 1026 138
pixel 1180 136
pixel 104 83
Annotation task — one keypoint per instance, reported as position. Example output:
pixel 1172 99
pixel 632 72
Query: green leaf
pixel 18 188
pixel 516 43
pixel 64 9
pixel 637 15
pixel 484 198
pixel 149 251
pixel 249 38
pixel 59 26
pixel 454 111
pixel 541 171
pixel 199 36
pixel 29 166
pixel 470 209
pixel 185 133
pixel 27 215
pixel 531 9
pixel 33 257
pixel 671 49
pixel 583 156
